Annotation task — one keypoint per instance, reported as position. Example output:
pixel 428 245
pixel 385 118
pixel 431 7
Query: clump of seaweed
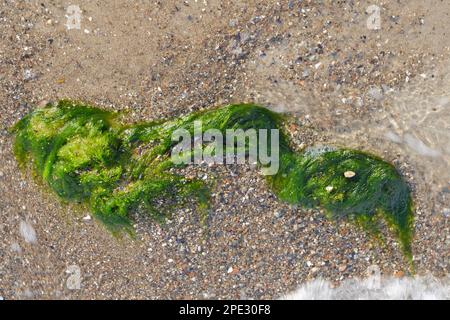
pixel 88 155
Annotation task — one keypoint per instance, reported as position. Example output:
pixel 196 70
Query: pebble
pixel 349 174
pixel 278 214
pixel 27 231
pixel 291 4
pixel 329 188
pixel 233 22
pixel 87 218
pixel 376 93
pixel 399 274
pixel 29 74
pixel 342 268
pixel 15 247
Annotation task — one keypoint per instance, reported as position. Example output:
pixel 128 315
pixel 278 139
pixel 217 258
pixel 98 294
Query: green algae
pixel 89 155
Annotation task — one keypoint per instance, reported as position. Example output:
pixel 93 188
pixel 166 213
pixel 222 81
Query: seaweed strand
pixel 88 155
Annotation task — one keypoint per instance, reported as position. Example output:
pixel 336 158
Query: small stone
pixel 399 274
pixel 170 260
pixel 28 74
pixel 376 93
pixel 329 188
pixel 27 232
pixel 42 103
pixel 28 294
pixel 305 73
pixel 278 214
pixel 233 270
pixel 291 4
pixel 233 22
pixel 309 263
pixel 342 268
pixel 359 102
pixel 87 218
pixel 349 174
pixel 15 247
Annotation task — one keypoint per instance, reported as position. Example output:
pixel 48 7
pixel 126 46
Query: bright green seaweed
pixel 89 155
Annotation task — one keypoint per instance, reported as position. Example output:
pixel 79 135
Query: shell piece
pixel 349 174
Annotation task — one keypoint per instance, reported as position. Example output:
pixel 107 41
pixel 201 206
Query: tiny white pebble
pixel 230 270
pixel 170 260
pixel 329 188
pixel 15 247
pixel 87 218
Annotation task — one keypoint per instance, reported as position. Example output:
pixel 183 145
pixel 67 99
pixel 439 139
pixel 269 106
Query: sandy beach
pixel 343 80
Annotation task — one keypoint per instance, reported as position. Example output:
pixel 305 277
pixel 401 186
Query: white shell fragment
pixel 349 174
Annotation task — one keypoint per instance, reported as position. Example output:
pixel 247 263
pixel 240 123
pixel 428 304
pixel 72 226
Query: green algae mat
pixel 89 155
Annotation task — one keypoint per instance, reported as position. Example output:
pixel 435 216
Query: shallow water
pixel 408 125
pixel 413 121
pixel 418 120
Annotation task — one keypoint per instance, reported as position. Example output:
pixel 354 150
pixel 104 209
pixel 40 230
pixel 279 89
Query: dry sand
pixel 384 91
